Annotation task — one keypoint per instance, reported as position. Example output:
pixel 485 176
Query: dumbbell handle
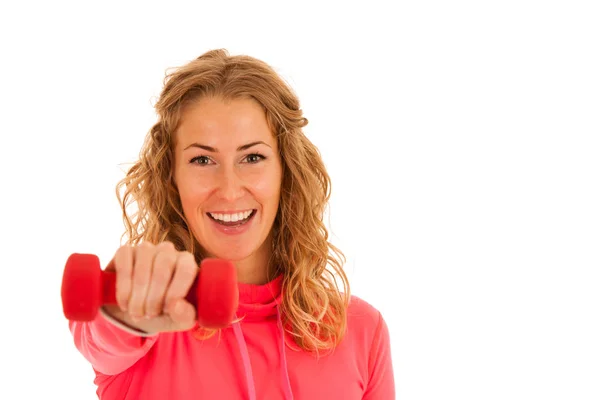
pixel 109 289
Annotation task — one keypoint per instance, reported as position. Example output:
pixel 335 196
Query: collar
pixel 259 302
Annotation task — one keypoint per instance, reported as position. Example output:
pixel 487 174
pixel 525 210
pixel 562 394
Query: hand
pixel 152 282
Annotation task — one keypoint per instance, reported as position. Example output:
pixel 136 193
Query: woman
pixel 227 172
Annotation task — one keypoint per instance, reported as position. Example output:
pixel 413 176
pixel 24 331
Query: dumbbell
pixel 86 287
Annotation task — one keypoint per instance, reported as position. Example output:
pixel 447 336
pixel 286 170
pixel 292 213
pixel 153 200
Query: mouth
pixel 232 219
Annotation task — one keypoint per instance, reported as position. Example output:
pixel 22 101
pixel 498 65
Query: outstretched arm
pixel 110 346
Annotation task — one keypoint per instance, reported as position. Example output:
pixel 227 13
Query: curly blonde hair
pixel 313 307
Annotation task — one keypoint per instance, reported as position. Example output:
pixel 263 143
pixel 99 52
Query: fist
pixel 152 282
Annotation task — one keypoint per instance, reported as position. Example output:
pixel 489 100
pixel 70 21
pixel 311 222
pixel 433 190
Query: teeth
pixel 232 217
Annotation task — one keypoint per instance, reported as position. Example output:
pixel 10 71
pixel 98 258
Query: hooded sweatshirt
pixel 251 359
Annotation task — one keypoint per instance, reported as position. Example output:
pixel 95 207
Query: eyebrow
pixel 212 149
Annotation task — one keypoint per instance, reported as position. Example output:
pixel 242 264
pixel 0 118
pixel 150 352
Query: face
pixel 228 173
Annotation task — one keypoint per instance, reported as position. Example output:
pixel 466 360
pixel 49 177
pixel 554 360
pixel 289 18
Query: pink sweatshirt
pixel 248 360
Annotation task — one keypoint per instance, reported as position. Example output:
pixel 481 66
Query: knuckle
pixel 135 309
pixel 145 246
pixel 126 248
pixel 165 258
pixel 122 257
pixel 122 300
pixel 143 251
pixel 162 275
pixel 187 272
pixel 152 304
pixel 140 280
pixel 186 262
pixel 120 251
pixel 164 265
pixel 135 303
pixel 167 245
pixel 189 255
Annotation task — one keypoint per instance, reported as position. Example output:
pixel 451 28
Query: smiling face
pixel 228 173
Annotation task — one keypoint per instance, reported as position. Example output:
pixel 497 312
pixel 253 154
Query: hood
pixel 261 303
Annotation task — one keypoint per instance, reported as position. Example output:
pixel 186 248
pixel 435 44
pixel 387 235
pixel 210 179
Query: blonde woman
pixel 227 172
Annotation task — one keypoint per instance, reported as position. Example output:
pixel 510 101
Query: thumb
pixel 183 314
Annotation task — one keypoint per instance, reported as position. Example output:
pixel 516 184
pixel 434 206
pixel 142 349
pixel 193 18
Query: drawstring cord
pixel 285 378
pixel 246 360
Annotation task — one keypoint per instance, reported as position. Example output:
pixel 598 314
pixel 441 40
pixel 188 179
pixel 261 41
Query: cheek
pixel 191 195
pixel 266 186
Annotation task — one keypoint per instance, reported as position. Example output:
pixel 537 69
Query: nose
pixel 231 185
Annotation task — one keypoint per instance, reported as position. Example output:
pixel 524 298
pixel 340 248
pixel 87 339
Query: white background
pixel 462 139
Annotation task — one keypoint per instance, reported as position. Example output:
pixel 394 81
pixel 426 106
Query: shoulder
pixel 364 319
pixel 360 308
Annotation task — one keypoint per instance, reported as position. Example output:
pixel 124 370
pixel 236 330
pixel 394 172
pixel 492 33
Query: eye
pixel 254 158
pixel 200 160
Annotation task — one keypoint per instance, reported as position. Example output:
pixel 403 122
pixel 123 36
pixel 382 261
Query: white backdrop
pixel 462 139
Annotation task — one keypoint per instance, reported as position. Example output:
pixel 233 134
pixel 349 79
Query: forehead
pixel 223 123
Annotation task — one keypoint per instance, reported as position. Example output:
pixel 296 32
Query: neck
pixel 250 276
pixel 253 270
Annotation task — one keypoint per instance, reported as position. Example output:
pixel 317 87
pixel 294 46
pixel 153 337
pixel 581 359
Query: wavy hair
pixel 313 307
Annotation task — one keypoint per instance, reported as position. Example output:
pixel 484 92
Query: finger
pixel 162 272
pixel 181 316
pixel 122 264
pixel 142 272
pixel 185 273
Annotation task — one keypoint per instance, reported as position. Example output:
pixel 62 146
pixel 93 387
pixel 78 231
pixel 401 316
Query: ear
pixel 174 169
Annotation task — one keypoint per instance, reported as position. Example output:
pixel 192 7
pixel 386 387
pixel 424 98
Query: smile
pixel 232 219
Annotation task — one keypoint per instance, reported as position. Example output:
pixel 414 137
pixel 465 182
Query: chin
pixel 232 254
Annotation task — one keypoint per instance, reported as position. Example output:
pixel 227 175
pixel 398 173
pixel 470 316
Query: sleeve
pixel 381 384
pixel 108 345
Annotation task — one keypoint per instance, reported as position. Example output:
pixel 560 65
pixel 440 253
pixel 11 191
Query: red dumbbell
pixel 86 287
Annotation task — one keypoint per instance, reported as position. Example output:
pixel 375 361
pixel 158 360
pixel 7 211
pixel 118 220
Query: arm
pixel 381 375
pixel 109 345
